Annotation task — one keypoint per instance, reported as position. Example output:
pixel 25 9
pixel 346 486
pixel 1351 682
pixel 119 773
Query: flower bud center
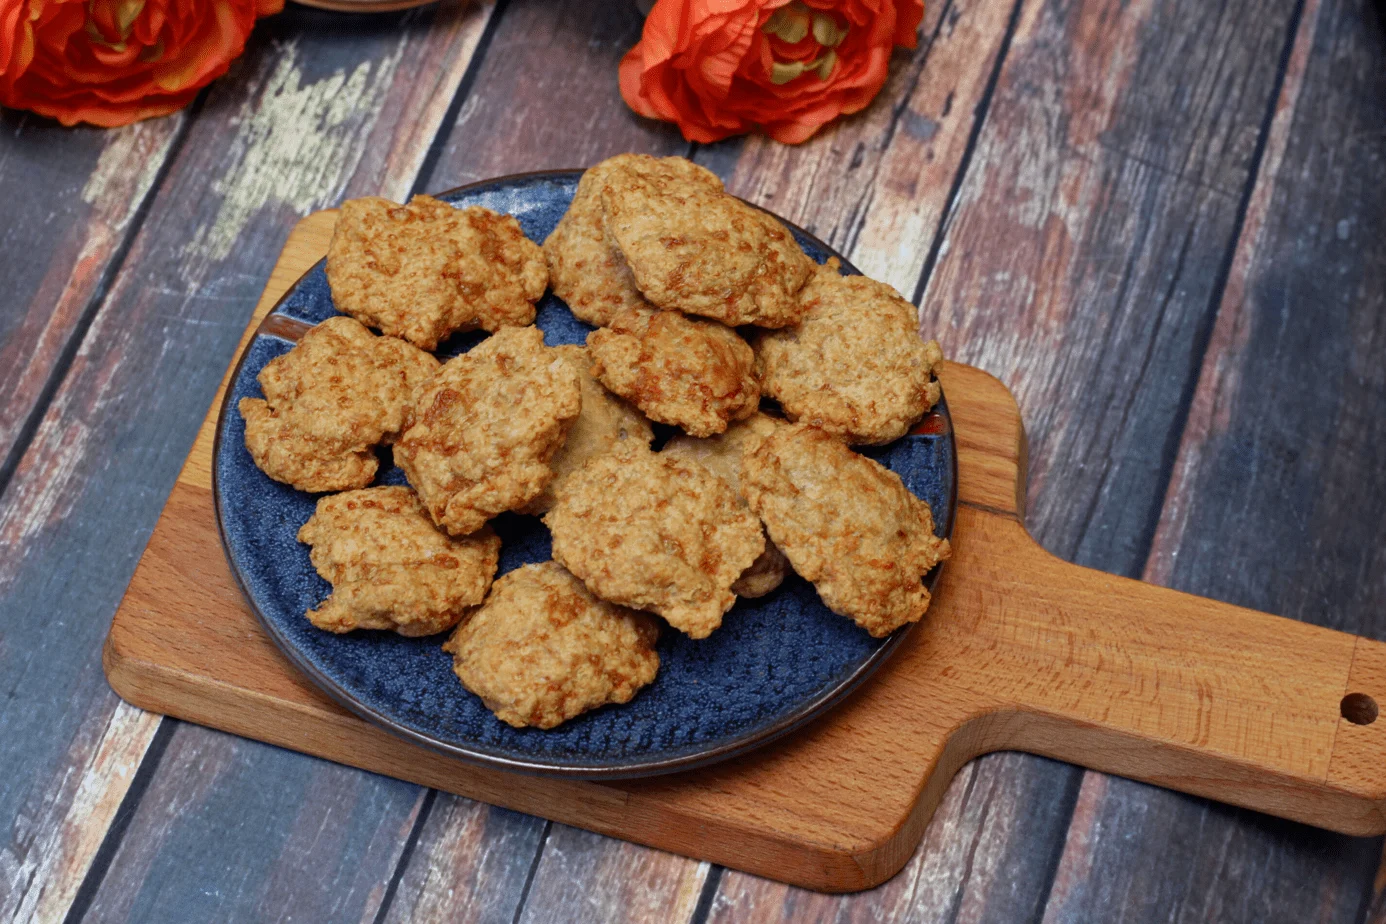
pixel 109 21
pixel 793 24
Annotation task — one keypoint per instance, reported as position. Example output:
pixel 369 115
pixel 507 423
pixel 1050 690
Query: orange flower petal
pixel 111 62
pixel 707 66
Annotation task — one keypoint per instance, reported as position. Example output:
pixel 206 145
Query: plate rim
pixel 807 712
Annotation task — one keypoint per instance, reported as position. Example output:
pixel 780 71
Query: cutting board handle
pixel 1157 685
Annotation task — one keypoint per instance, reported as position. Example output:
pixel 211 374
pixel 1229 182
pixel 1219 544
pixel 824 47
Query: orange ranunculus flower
pixel 112 62
pixel 723 67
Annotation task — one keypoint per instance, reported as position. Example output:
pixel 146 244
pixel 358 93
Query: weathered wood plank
pixel 1272 503
pixel 325 817
pixel 963 846
pixel 1375 912
pixel 584 878
pixel 70 197
pixel 1107 178
pixel 281 135
pixel 546 98
pixel 469 866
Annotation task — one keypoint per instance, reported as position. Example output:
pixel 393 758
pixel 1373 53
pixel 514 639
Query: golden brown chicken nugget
pixel 655 533
pixel 605 424
pixel 694 248
pixel 486 427
pixel 846 523
pixel 692 373
pixel 329 402
pixel 390 567
pixel 855 366
pixel 542 649
pixel 722 455
pixel 424 270
pixel 586 269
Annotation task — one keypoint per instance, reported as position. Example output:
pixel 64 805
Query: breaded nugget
pixel 424 270
pixel 855 366
pixel 586 269
pixel 721 455
pixel 655 533
pixel 694 248
pixel 694 374
pixel 847 523
pixel 390 567
pixel 328 402
pixel 542 649
pixel 486 427
pixel 605 424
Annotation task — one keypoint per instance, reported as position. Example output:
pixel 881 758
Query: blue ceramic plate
pixel 775 663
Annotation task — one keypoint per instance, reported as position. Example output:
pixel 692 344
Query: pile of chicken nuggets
pixel 703 307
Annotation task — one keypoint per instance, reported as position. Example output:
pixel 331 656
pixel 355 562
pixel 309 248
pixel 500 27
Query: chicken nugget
pixel 694 374
pixel 656 533
pixel 846 523
pixel 486 427
pixel 425 270
pixel 693 248
pixel 855 366
pixel 605 424
pixel 721 455
pixel 329 402
pixel 390 567
pixel 542 649
pixel 586 268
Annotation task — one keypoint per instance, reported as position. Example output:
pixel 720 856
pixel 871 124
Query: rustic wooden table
pixel 1162 222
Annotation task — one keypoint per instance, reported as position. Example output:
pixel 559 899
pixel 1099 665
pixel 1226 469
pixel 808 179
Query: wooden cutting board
pixel 1020 651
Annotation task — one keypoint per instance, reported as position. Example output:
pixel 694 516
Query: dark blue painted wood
pixel 1285 500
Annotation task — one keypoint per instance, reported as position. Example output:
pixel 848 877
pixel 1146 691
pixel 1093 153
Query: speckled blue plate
pixel 775 663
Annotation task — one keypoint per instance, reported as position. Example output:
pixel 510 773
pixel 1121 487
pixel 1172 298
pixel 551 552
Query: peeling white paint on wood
pixel 116 188
pixel 34 502
pixel 126 169
pixel 295 145
pixel 65 834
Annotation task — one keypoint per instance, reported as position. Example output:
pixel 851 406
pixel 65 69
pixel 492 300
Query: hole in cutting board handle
pixel 1359 709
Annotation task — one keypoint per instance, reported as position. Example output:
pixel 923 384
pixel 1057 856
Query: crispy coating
pixel 586 268
pixel 694 374
pixel 694 248
pixel 655 533
pixel 605 424
pixel 855 366
pixel 390 567
pixel 328 402
pixel 424 270
pixel 847 523
pixel 486 427
pixel 721 455
pixel 542 649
